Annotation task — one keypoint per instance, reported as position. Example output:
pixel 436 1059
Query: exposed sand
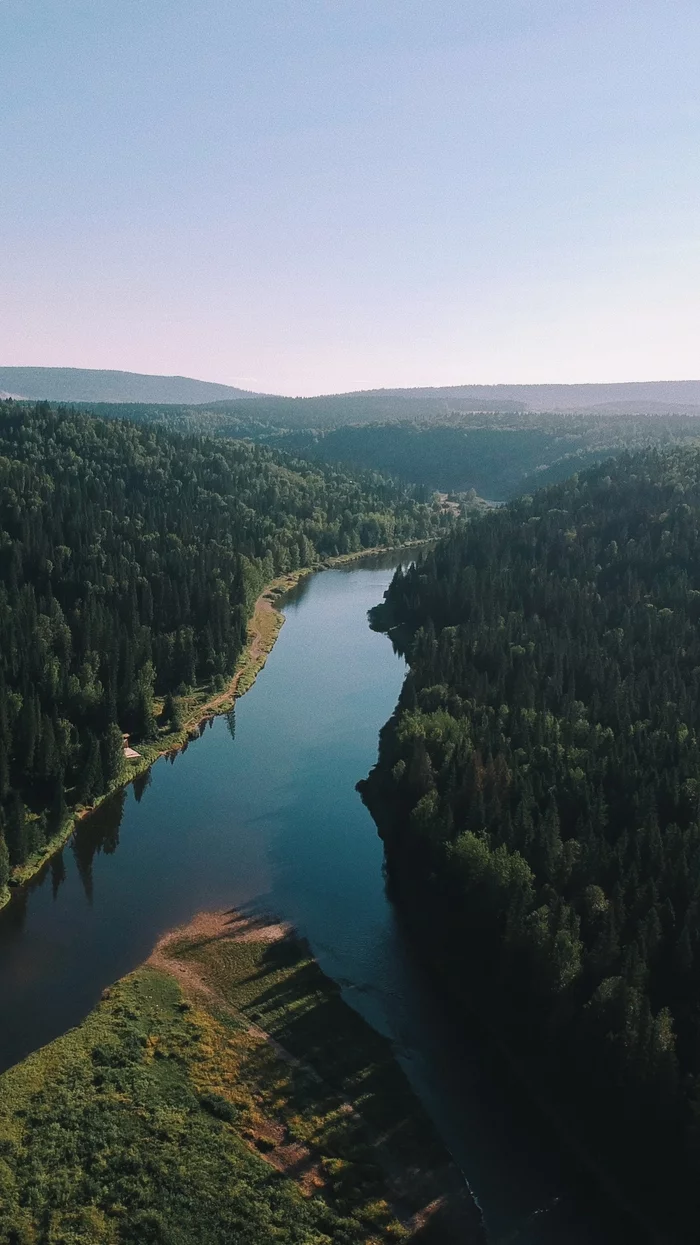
pixel 227 924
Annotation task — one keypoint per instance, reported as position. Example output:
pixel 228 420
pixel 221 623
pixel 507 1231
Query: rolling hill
pixel 75 384
pixel 59 384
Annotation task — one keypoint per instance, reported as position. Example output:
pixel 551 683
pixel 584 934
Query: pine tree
pixel 171 712
pixel 4 863
pixel 112 751
pixel 91 782
pixel 58 807
pixel 16 831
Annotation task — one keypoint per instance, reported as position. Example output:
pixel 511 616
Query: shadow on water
pixel 261 813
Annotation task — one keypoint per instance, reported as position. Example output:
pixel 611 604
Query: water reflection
pixel 58 873
pixel 99 832
pixel 262 814
pixel 141 784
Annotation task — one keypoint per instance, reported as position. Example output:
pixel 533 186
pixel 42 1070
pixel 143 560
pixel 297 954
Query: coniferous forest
pixel 538 792
pixel 130 559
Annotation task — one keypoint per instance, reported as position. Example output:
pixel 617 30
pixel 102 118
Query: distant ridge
pixel 645 397
pixel 76 384
pixel 437 404
pixel 67 384
pixel 627 396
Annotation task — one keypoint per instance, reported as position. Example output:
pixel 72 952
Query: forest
pixel 130 560
pixel 538 793
pixel 496 454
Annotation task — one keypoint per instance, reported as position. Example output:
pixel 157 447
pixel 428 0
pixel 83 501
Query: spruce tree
pixel 4 863
pixel 16 830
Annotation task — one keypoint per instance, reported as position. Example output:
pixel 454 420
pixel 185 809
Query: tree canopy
pixel 538 790
pixel 130 558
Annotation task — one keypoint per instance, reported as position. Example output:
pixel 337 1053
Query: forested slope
pixel 77 384
pixel 129 562
pixel 359 406
pixel 498 455
pixel 538 791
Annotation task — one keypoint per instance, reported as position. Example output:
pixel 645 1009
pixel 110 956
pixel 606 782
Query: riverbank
pixel 202 704
pixel 637 1219
pixel 225 1088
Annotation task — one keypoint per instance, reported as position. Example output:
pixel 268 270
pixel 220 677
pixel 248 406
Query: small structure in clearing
pixel 130 754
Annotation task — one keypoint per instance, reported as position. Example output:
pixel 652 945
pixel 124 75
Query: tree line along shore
pixel 131 559
pixel 537 793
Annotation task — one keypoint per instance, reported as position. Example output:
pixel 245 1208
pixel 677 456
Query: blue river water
pixel 261 813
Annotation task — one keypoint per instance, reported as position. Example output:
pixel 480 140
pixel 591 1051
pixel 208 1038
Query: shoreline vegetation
pixel 530 1077
pixel 536 791
pixel 225 1088
pixel 204 703
pixel 130 559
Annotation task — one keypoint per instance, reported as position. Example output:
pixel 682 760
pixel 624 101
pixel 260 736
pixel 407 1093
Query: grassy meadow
pixel 222 1093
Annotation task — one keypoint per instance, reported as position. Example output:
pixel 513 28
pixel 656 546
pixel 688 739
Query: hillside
pixel 75 384
pixel 633 397
pixel 362 406
pixel 130 559
pixel 498 455
pixel 428 404
pixel 538 794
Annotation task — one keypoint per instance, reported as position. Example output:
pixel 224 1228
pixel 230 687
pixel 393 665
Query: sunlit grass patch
pixel 174 1119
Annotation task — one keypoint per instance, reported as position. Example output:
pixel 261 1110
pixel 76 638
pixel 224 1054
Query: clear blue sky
pixel 307 196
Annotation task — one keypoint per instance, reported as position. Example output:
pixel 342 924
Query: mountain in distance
pixel 655 397
pixel 77 384
pixel 441 404
pixel 59 384
pixel 628 397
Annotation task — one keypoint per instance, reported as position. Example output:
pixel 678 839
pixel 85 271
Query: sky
pixel 312 196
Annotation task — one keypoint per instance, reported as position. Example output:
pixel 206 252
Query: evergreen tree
pixel 112 755
pixel 130 561
pixel 4 863
pixel 16 831
pixel 552 716
pixel 171 713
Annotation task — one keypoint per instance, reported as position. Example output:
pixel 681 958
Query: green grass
pixel 279 987
pixel 166 1118
pixel 104 1138
pixel 348 1092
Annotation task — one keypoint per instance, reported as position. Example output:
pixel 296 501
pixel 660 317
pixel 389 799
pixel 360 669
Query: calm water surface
pixel 261 813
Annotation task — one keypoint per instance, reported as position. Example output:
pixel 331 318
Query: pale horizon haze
pixel 314 197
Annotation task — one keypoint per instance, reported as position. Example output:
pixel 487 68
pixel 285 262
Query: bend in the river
pixel 261 813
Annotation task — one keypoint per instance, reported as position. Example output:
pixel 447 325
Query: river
pixel 261 814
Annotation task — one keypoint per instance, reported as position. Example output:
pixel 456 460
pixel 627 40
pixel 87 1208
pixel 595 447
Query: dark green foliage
pixel 495 462
pixel 4 864
pixel 130 559
pixel 497 456
pixel 16 834
pixel 538 791
pixel 171 713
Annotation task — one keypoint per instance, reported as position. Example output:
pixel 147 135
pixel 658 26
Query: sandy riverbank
pixel 203 703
